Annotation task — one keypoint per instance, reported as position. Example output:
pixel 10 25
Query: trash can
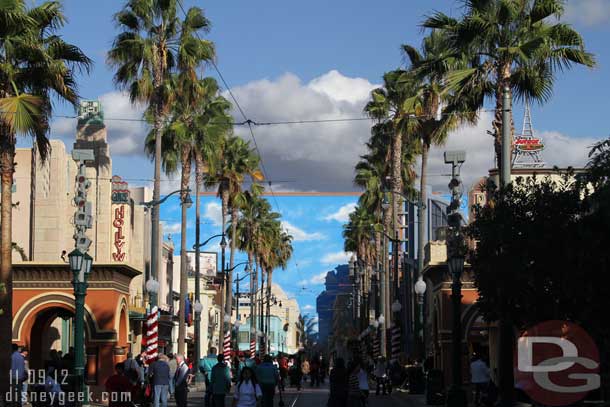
pixel 435 387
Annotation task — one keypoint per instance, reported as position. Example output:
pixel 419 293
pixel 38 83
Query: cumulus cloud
pixel 213 212
pixel 560 150
pixel 342 215
pixel 336 258
pixel 126 137
pixel 316 156
pixel 588 12
pixel 299 235
pixel 308 307
pixel 315 280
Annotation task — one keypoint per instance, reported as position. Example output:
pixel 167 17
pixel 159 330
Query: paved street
pixel 318 397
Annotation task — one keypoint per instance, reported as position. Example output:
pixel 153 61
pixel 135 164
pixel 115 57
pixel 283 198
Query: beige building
pixel 43 218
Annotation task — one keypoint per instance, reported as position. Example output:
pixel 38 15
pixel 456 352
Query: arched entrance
pixel 51 331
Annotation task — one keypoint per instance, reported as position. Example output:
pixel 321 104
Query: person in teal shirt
pixel 250 361
pixel 268 377
pixel 220 381
pixel 205 367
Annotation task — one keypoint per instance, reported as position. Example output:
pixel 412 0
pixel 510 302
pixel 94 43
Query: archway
pixel 51 330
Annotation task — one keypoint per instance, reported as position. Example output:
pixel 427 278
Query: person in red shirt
pixel 283 362
pixel 119 388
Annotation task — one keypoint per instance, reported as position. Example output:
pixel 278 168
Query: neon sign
pixel 527 144
pixel 119 237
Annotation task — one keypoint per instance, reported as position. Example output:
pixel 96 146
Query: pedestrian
pixel 181 382
pixel 26 366
pixel 314 372
pixel 53 389
pixel 283 363
pixel 338 385
pixel 354 396
pixel 220 380
pixel 118 386
pixel 305 368
pixel 172 372
pixel 479 377
pixel 267 376
pixel 205 367
pixel 159 377
pixel 248 391
pixel 18 374
pixel 363 384
pixel 381 375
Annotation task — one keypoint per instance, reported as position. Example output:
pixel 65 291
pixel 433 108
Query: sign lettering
pixel 119 237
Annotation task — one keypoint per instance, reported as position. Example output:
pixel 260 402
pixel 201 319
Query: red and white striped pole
pixel 252 346
pixel 226 350
pixel 152 335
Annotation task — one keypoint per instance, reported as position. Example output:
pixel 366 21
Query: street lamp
pixel 456 250
pixel 154 247
pixel 80 264
pixel 420 290
pixel 396 306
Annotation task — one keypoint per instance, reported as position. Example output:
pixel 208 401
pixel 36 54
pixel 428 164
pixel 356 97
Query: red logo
pixel 557 363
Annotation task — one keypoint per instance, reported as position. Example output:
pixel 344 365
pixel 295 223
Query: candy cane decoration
pixel 252 346
pixel 227 346
pixel 152 335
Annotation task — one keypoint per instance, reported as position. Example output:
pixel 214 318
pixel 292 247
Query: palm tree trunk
pixel 234 216
pixel 224 196
pixel 186 175
pixel 504 74
pixel 268 312
pixel 422 208
pixel 7 168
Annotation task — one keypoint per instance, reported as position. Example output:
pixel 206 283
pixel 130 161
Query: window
pixel 243 337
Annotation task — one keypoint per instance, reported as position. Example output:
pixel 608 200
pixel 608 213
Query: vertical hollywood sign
pixel 119 237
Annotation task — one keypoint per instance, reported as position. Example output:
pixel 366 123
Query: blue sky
pixel 288 60
pixel 315 222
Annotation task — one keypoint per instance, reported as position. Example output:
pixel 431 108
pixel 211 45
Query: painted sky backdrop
pixel 319 59
pixel 315 222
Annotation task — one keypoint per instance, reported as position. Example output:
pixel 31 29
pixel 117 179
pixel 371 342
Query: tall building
pixel 43 229
pixel 337 282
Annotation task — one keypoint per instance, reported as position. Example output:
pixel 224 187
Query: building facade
pixel 43 217
pixel 337 282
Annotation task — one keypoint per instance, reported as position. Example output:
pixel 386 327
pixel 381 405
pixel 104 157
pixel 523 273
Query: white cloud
pixel 299 235
pixel 308 307
pixel 588 12
pixel 315 280
pixel 316 156
pixel 560 150
pixel 342 215
pixel 125 137
pixel 213 212
pixel 336 258
pixel 171 228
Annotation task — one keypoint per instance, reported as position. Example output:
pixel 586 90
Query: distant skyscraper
pixel 337 282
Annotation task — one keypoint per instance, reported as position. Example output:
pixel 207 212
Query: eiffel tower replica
pixel 527 147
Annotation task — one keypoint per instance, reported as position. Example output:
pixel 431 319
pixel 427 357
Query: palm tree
pixel 514 44
pixel 36 67
pixel 235 161
pixel 426 77
pixel 153 44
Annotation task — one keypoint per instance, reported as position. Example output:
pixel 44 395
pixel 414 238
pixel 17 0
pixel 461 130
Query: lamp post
pixel 456 251
pixel 80 264
pixel 197 307
pixel 154 247
pixel 236 281
pixel 420 290
pixel 197 247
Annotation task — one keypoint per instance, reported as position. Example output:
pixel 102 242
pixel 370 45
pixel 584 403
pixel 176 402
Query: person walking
pixel 248 391
pixel 338 385
pixel 117 386
pixel 172 372
pixel 267 376
pixel 220 381
pixel 354 396
pixel 181 382
pixel 314 372
pixel 381 375
pixel 479 377
pixel 363 384
pixel 19 375
pixel 159 378
pixel 305 368
pixel 205 367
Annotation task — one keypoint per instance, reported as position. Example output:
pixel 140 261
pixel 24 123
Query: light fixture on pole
pixel 420 290
pixel 396 306
pixel 80 264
